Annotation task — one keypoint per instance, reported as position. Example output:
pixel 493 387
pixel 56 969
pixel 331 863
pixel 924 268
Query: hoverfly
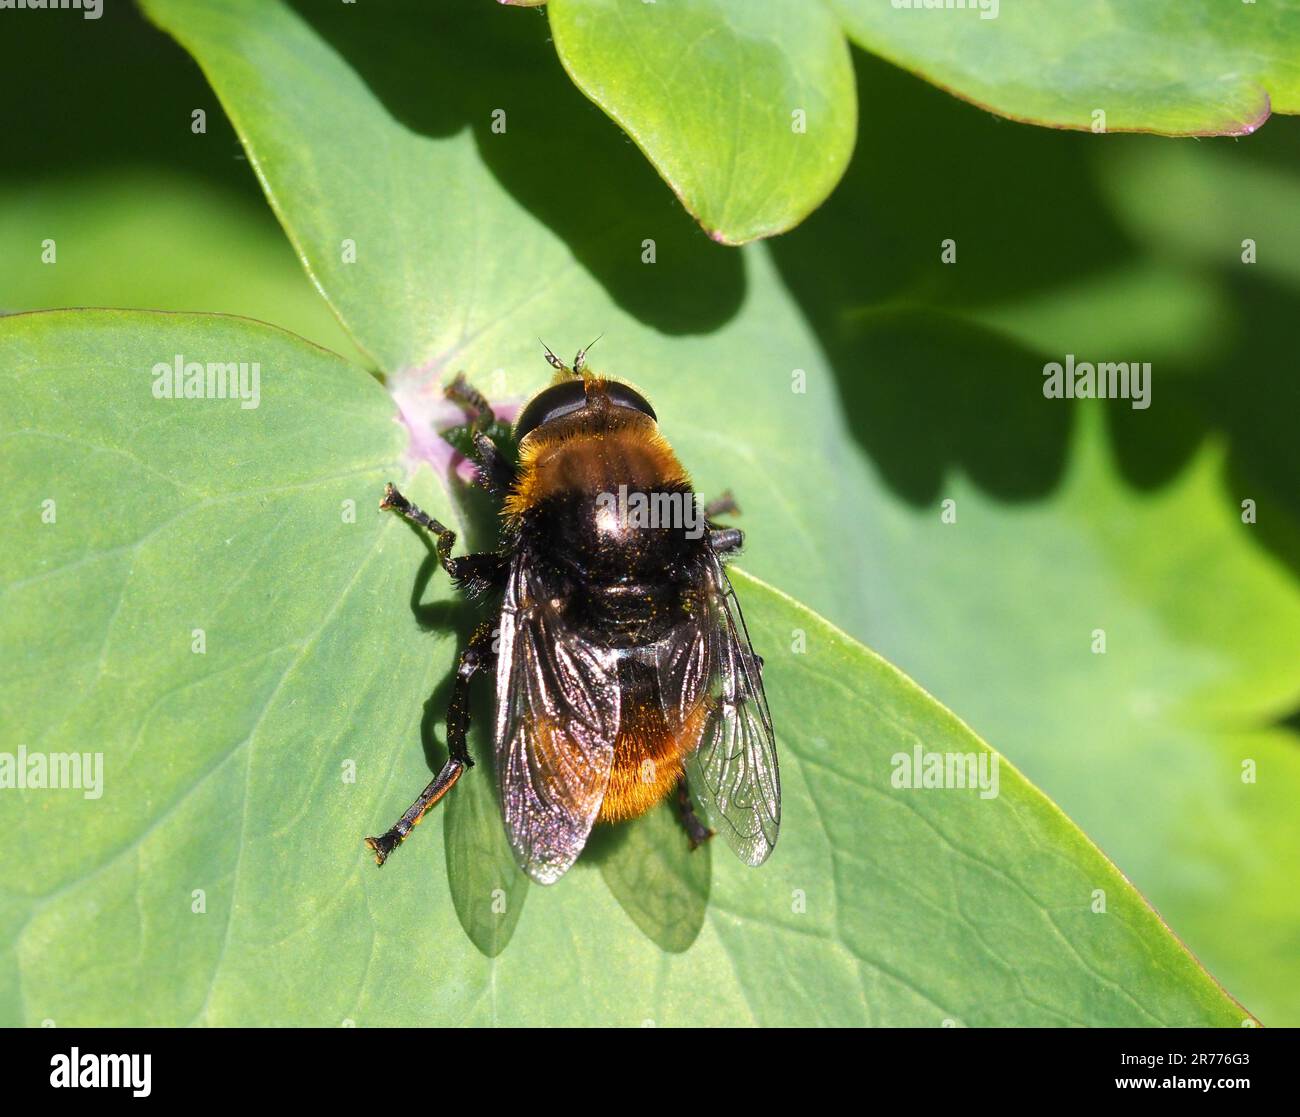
pixel 624 672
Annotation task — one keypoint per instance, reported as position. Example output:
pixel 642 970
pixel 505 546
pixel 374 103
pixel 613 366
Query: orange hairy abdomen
pixel 648 759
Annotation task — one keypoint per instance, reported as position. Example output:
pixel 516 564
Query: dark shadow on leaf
pixel 1245 395
pixel 487 888
pixel 923 393
pixel 656 877
pixel 1253 396
pixel 1020 203
pixel 440 69
pixel 149 85
pixel 934 395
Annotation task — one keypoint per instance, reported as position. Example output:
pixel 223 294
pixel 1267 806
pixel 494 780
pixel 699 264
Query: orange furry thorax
pixel 593 450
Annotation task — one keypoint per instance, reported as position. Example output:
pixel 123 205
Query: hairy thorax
pixel 613 511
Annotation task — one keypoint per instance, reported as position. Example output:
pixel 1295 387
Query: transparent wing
pixel 733 771
pixel 556 720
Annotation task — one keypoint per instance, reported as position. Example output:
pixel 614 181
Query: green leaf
pixel 173 516
pixel 340 111
pixel 222 868
pixel 1144 745
pixel 1177 67
pixel 748 110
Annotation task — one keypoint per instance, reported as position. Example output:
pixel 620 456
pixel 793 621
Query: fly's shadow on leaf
pixel 487 888
pixel 441 69
pixel 656 877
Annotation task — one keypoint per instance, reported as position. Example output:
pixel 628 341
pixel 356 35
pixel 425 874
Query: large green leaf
pixel 747 110
pixel 340 112
pixel 227 772
pixel 1177 67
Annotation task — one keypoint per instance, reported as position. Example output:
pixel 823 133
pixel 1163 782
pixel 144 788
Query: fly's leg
pixel 724 505
pixel 696 832
pixel 477 572
pixel 444 537
pixel 472 400
pixel 723 539
pixel 477 656
pixel 495 471
pixel 442 783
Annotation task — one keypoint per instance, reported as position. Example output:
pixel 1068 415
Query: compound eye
pixel 569 396
pixel 551 403
pixel 622 396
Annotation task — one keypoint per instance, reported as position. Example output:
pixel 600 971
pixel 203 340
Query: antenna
pixel 582 353
pixel 551 358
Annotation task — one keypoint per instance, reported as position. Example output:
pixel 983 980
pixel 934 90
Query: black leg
pixel 724 539
pixel 472 400
pixel 476 656
pixel 722 506
pixel 496 474
pixel 478 571
pixel 696 831
pixel 444 537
